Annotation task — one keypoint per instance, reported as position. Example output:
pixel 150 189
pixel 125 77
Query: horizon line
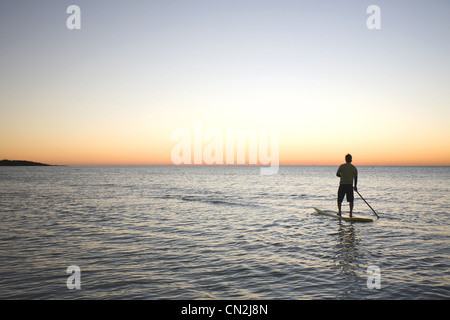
pixel 245 165
pixel 234 164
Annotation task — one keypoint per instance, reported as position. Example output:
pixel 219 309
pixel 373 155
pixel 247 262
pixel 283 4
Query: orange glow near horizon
pixel 132 151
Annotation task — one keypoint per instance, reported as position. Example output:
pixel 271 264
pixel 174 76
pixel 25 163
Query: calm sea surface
pixel 221 233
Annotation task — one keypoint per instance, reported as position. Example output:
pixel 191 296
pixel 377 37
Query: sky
pixel 114 91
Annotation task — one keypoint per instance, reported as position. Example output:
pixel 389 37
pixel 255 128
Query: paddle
pixel 367 203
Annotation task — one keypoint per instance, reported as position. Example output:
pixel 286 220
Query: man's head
pixel 348 158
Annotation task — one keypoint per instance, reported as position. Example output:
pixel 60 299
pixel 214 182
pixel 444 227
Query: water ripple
pixel 220 233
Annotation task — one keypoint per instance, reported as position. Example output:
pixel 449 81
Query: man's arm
pixel 356 183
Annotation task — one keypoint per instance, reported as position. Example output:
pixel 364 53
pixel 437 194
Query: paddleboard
pixel 334 214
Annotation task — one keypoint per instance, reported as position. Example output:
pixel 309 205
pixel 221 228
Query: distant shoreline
pixel 17 163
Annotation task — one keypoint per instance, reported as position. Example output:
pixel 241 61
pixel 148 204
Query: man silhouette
pixel 347 172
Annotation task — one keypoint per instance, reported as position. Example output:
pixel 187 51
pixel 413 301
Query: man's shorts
pixel 345 189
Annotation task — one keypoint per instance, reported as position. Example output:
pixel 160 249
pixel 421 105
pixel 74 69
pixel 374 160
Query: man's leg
pixel 340 198
pixel 350 198
pixel 351 208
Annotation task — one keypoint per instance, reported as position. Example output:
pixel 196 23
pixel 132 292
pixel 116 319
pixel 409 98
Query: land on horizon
pixel 15 163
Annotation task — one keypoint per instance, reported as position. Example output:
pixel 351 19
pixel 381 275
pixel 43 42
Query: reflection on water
pixel 347 257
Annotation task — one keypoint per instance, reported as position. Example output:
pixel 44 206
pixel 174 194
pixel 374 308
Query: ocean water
pixel 207 232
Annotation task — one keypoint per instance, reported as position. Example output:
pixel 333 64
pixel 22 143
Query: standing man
pixel 347 172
